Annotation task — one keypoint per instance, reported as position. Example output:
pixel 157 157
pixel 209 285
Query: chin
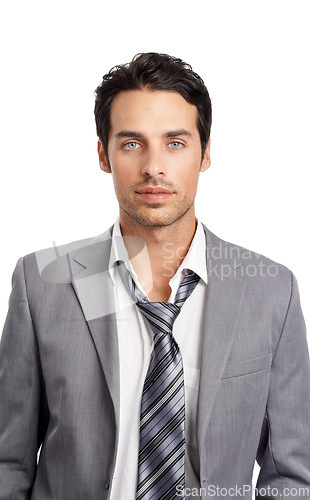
pixel 156 221
pixel 156 215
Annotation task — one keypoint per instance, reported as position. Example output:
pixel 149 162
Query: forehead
pixel 152 111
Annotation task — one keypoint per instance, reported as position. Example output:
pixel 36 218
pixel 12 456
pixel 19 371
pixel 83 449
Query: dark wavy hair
pixel 155 72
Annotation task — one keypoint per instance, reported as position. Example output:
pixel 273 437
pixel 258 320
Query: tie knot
pixel 160 315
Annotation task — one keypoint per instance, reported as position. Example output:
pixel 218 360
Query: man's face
pixel 154 153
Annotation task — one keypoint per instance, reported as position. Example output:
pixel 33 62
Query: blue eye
pixel 175 145
pixel 131 145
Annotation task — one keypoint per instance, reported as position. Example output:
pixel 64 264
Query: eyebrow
pixel 128 133
pixel 175 133
pixel 171 133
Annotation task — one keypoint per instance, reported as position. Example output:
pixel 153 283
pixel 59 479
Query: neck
pixel 164 249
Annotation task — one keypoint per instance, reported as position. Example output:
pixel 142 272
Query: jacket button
pixel 107 483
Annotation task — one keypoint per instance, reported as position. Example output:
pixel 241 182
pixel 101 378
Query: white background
pixel 254 59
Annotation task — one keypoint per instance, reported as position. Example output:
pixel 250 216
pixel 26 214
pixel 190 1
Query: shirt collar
pixel 195 259
pixel 118 252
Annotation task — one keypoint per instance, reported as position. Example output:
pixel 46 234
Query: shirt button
pixel 107 483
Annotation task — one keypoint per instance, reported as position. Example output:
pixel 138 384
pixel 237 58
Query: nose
pixel 153 164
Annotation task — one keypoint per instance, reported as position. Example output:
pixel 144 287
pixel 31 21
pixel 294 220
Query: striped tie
pixel 161 465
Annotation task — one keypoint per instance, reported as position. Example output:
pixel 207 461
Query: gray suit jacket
pixel 59 376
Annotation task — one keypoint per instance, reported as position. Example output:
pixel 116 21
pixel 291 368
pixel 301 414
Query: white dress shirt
pixel 135 340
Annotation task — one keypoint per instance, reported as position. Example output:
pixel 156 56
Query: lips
pixel 157 194
pixel 154 190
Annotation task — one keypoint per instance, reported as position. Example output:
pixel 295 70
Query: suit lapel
pixel 94 289
pixel 224 301
pixel 225 295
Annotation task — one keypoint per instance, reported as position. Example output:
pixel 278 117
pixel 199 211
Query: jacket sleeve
pixel 23 406
pixel 284 450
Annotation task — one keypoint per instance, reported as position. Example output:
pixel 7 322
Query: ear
pixel 103 162
pixel 206 161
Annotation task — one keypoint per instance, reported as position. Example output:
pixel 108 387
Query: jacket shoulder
pixel 254 264
pixel 57 261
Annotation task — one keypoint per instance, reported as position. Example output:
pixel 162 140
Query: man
pixel 156 360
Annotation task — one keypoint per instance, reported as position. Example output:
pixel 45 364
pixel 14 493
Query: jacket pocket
pixel 247 366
